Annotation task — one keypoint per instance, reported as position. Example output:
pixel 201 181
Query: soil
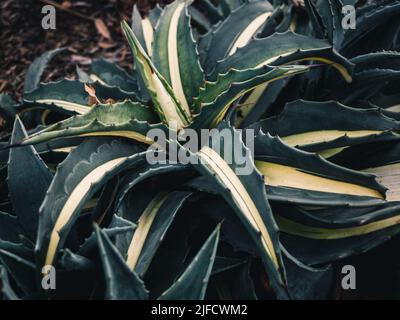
pixel 22 37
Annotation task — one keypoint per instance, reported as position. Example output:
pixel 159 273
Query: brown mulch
pixel 22 37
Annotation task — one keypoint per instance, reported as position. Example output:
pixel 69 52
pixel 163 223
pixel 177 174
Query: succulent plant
pixel 79 196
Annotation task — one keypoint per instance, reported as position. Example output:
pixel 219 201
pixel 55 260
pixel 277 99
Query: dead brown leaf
pixel 102 29
pixel 92 95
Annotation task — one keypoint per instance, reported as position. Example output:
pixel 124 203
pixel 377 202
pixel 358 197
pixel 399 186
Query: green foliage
pixel 78 194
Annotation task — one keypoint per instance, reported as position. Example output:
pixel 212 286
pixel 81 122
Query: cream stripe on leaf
pixel 286 169
pixel 175 53
pixel 109 73
pixel 65 95
pixel 143 29
pixel 83 172
pixel 278 175
pixel 298 229
pixel 335 224
pixel 239 25
pixel 167 105
pixel 217 96
pixel 127 119
pixel 284 48
pixel 252 208
pixel 152 226
pixel 303 124
pixel 249 32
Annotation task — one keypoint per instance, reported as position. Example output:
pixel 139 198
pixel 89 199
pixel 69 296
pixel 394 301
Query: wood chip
pixel 102 29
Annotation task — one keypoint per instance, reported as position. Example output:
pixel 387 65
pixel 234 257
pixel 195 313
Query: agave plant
pixel 79 197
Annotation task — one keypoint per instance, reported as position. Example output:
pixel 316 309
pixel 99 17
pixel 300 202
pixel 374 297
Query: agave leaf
pixel 303 124
pixel 305 282
pixel 199 19
pixel 227 6
pixel 118 228
pixel 9 227
pixel 74 262
pixel 252 208
pixel 258 102
pixel 210 10
pixel 35 70
pixel 331 16
pixel 315 19
pixel 8 109
pixel 381 60
pixel 285 48
pixel 365 85
pixel 151 228
pixel 335 233
pixel 70 97
pixel 369 20
pixel 22 271
pixel 369 155
pixel 28 180
pixel 192 284
pixel 222 264
pixel 143 28
pixel 19 249
pixel 243 286
pixel 127 119
pixel 77 179
pixel 380 159
pixel 82 75
pixel 121 282
pixel 147 171
pixel 167 105
pixel 175 54
pixel 6 288
pixel 319 252
pixel 67 95
pixel 235 32
pixel 106 71
pixel 296 176
pixel 329 224
pixel 216 97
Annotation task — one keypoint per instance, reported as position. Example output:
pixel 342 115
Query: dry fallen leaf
pixel 66 4
pixel 92 95
pixel 107 45
pixel 109 100
pixel 81 59
pixel 102 28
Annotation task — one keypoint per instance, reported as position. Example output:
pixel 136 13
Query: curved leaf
pixel 175 54
pixel 152 227
pixel 77 179
pixel 121 282
pixel 28 180
pixel 285 48
pixel 167 105
pixel 246 195
pixel 192 284
pixel 235 31
pixel 126 119
pixel 113 75
pixel 296 176
pixel 216 97
pixel 304 124
pixel 35 70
